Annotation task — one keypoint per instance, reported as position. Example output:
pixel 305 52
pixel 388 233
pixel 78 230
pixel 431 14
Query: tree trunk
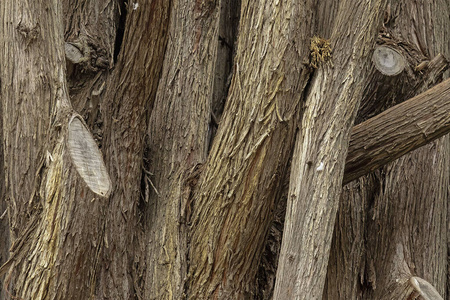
pixel 320 152
pixel 393 223
pixel 240 181
pixel 147 148
pixel 5 242
pixel 178 142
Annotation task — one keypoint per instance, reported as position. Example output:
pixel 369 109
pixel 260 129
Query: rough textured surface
pixel 178 142
pixel 232 208
pixel 68 242
pixel 394 222
pixel 54 214
pixel 5 242
pixel 320 152
pixel 126 103
pixel 398 130
pixel 48 216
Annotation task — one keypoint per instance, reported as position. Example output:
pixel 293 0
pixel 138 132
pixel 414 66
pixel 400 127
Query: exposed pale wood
pixel 426 290
pixel 398 130
pixel 320 151
pixel 73 53
pixel 388 61
pixel 87 158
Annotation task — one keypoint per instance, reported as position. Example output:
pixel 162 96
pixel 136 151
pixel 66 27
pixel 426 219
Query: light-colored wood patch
pixel 388 61
pixel 87 158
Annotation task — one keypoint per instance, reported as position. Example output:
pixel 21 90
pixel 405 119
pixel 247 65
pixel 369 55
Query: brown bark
pixel 320 151
pixel 127 102
pixel 57 214
pixel 47 216
pixel 5 242
pixel 399 228
pixel 398 130
pixel 178 142
pixel 231 210
pixel 168 198
pixel 91 26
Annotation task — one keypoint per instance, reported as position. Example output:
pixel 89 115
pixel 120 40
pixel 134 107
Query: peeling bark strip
pixel 87 158
pixel 320 151
pixel 398 130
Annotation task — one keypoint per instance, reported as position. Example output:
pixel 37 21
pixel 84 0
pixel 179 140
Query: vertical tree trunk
pixel 320 152
pixel 178 141
pixel 4 222
pixel 231 209
pixel 55 215
pixel 127 102
pixel 393 224
pixel 47 216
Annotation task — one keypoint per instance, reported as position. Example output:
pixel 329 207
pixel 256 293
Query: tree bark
pixel 231 209
pixel 55 212
pixel 175 211
pixel 4 216
pixel 179 133
pixel 47 216
pixel 399 227
pixel 127 103
pixel 320 151
pixel 397 131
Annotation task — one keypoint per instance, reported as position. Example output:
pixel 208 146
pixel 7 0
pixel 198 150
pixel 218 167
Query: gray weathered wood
pixel 426 290
pixel 320 152
pixel 388 61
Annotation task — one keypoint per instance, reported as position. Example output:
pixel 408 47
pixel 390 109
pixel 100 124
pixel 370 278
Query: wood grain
pixel 87 158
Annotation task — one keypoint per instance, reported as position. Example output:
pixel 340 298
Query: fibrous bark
pixel 56 216
pixel 178 142
pixel 231 209
pixel 320 151
pixel 127 101
pixel 398 130
pixel 400 227
pixel 48 216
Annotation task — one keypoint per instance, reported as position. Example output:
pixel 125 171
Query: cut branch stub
pixel 388 61
pixel 73 54
pixel 425 289
pixel 87 158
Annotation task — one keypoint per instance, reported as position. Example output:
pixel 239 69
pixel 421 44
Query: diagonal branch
pixel 398 130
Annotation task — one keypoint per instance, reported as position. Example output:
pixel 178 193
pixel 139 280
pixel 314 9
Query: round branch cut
pixel 87 158
pixel 425 289
pixel 388 61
